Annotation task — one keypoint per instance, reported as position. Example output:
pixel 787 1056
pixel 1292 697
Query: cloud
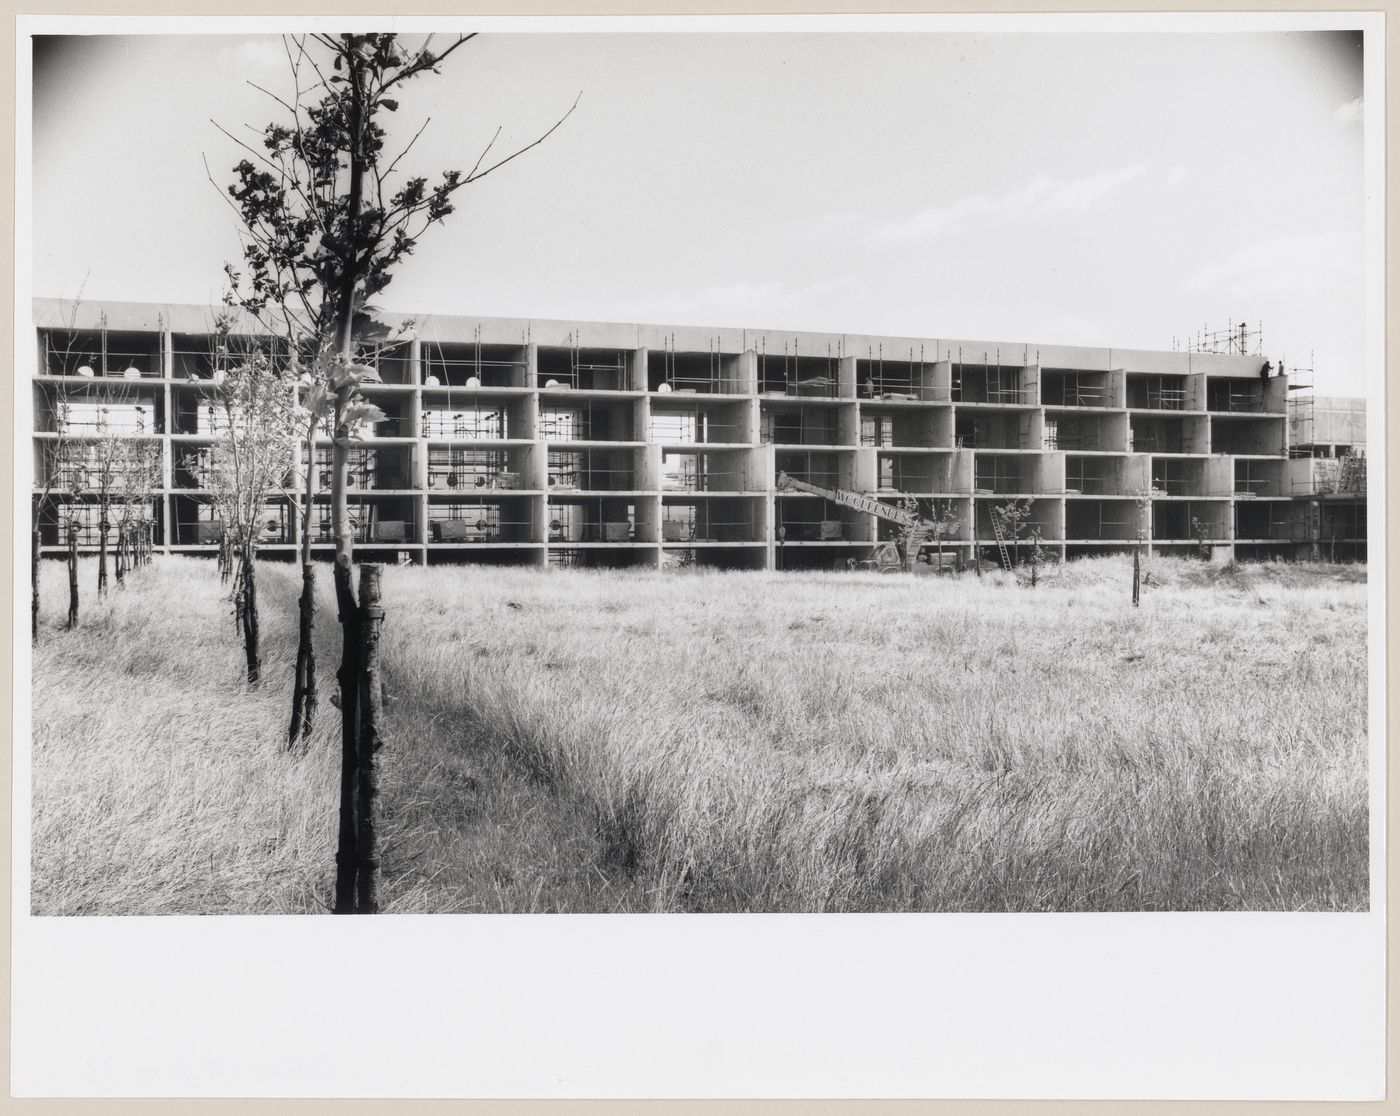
pixel 1286 263
pixel 1041 197
pixel 1348 113
pixel 1177 175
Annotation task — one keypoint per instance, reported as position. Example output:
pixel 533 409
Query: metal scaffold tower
pixel 1300 407
pixel 1239 339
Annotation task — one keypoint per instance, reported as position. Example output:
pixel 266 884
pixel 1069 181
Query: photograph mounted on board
pixel 530 473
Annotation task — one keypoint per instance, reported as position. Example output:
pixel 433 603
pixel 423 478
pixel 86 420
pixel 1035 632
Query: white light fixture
pixel 664 387
pixel 431 381
pixel 86 372
pixel 473 381
pixel 132 372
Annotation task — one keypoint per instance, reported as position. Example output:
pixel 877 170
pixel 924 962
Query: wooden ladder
pixel 1001 544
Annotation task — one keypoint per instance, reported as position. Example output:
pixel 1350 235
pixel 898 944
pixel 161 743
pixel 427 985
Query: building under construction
pixel 590 444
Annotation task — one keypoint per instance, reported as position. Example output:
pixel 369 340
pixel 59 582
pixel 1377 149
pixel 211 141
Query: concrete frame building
pixel 559 443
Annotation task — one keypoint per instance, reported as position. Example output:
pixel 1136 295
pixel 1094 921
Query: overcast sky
pixel 1104 189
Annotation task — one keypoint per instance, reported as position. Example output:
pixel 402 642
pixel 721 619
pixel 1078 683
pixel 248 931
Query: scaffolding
pixel 469 423
pixel 896 379
pixel 793 381
pixel 1156 393
pixel 1238 339
pixel 999 384
pixel 1301 408
pixel 452 468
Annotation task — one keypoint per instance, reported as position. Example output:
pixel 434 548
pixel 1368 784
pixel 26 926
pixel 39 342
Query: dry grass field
pixel 696 741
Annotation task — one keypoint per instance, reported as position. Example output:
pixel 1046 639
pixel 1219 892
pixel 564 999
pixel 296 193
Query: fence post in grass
pixel 72 574
pixel 1137 576
pixel 371 739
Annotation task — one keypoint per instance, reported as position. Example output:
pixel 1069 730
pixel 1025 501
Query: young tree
pixel 326 219
pixel 248 464
pixel 1014 517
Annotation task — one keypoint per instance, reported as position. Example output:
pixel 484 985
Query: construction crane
pixel 889 557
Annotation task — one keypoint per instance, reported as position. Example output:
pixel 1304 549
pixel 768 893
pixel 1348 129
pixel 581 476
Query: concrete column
pixel 846 378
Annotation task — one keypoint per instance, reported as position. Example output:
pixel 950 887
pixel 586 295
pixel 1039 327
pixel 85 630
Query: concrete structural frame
pixel 566 443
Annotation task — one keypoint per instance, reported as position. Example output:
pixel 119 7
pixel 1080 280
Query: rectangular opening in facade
pixel 1115 520
pixel 591 470
pixel 583 369
pixel 1246 436
pixel 589 421
pixel 1266 519
pixel 1259 478
pixel 496 519
pixel 1069 388
pixel 101 354
pixel 1187 520
pixel 595 520
pixel 1004 474
pixel 703 472
pixel 1093 476
pixel 378 467
pixel 989 383
pixel 904 380
pixel 690 373
pixel 713 520
pixel 914 472
pixel 1238 396
pixel 1156 393
pixel 821 469
pixel 1152 434
pixel 984 430
pixel 1101 433
pixel 789 374
pixel 466 470
pixel 1041 518
pixel 373 520
pixel 471 365
pixel 694 424
pixel 1177 477
pixel 810 519
pixel 198 523
pixel 799 426
pixel 99 412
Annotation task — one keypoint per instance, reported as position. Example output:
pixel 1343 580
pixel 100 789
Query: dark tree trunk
pixel 349 673
pixel 248 595
pixel 72 575
pixel 346 857
pixel 371 739
pixel 1137 576
pixel 34 576
pixel 304 696
pixel 102 528
pixel 119 558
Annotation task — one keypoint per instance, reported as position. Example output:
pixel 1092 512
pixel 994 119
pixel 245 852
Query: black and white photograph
pixel 740 468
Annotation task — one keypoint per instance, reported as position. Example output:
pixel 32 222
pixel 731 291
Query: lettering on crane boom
pixel 851 499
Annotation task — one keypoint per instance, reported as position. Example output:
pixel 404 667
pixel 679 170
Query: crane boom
pixel 855 500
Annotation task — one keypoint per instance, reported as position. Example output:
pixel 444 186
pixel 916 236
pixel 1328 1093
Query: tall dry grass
pixel 721 742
